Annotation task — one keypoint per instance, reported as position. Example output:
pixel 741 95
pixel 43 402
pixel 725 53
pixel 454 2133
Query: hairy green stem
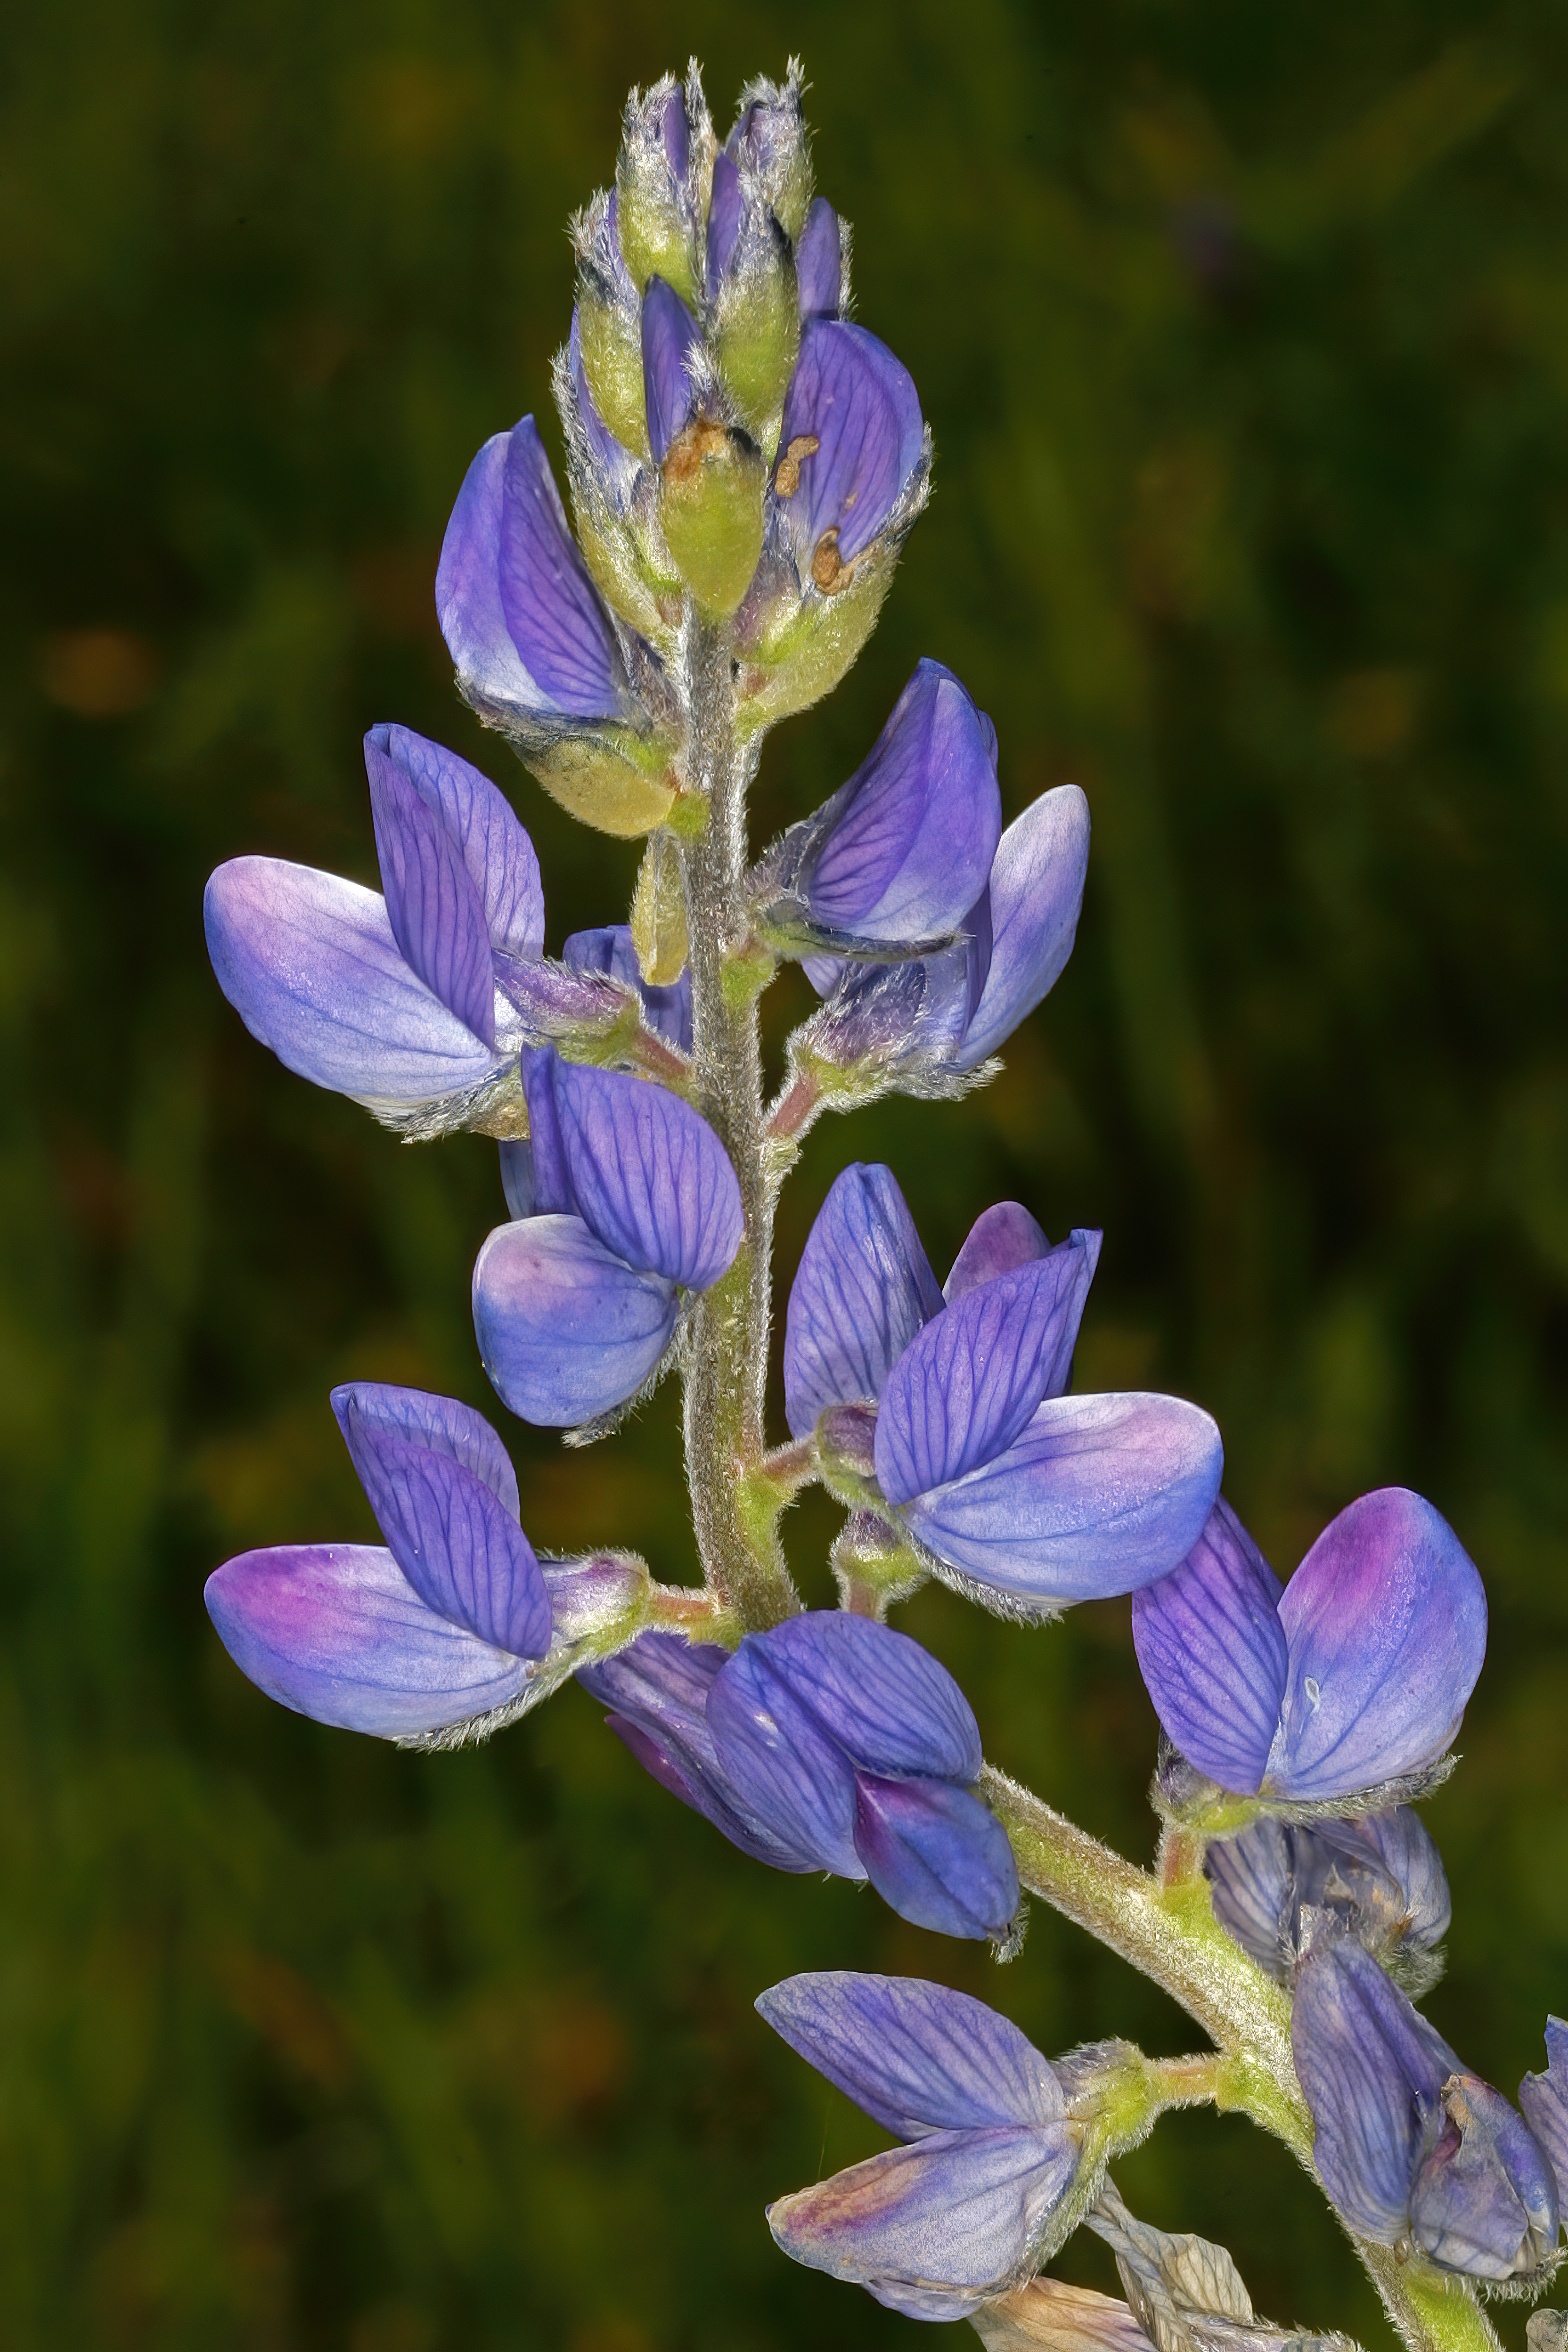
pixel 726 1353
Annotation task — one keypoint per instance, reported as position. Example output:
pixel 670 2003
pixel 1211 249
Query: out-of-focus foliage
pixel 1244 332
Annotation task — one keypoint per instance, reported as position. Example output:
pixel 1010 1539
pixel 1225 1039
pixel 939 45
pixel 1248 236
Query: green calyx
pixel 659 913
pixel 617 781
pixel 711 510
pixel 654 239
pixel 756 339
pixel 612 363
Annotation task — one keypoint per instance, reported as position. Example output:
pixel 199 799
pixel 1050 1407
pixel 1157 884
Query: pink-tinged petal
pixel 644 1171
pixel 308 962
pixel 972 1381
pixel 441 1423
pixel 433 902
pixel 936 2229
pixel 1212 1652
pixel 566 1330
pixel 496 849
pixel 1386 1623
pixel 1036 896
pixel 1000 1239
pixel 336 1632
pixel 457 1542
pixel 916 2056
pixel 1101 1495
pixel 863 1289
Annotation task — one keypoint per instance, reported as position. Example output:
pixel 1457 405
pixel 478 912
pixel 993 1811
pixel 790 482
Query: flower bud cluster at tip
pixel 830 1743
pixel 944 1411
pixel 736 450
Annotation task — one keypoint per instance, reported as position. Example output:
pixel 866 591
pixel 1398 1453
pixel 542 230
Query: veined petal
pixel 456 1541
pixel 1484 2202
pixel 1373 2071
pixel 337 1632
pixel 308 962
pixel 1000 1239
pixel 936 1856
pixel 907 842
pixel 874 1692
pixel 972 1381
pixel 433 902
pixel 1252 1878
pixel 1036 896
pixel 725 212
pixel 863 1289
pixel 609 949
pixel 858 405
pixel 916 2056
pixel 1212 1652
pixel 1386 1623
pixel 496 850
pixel 936 2229
pixel 521 618
pixel 647 1175
pixel 1544 2098
pixel 1101 1495
pixel 440 1422
pixel 818 260
pixel 786 1772
pixel 566 1329
pixel 668 334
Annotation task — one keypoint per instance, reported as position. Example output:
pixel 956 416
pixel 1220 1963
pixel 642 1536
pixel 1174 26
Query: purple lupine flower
pixel 1354 1673
pixel 1380 1874
pixel 633 1201
pixel 1544 2098
pixel 901 852
pixel 964 2210
pixel 406 1001
pixel 446 1625
pixel 533 643
pixel 854 452
pixel 830 1743
pixel 922 1025
pixel 609 951
pixel 1407 2144
pixel 1014 1488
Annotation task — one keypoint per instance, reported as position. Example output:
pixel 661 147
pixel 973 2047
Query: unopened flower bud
pixel 659 913
pixel 667 136
pixel 712 512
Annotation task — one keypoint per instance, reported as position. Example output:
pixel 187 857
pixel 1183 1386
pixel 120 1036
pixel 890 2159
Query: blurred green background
pixel 1243 333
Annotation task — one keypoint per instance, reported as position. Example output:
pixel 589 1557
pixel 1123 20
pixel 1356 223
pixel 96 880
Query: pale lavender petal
pixel 309 964
pixel 818 260
pixel 883 1699
pixel 1035 895
pixel 936 2229
pixel 1212 1652
pixel 1000 1238
pixel 456 1541
pixel 433 902
pixel 1386 1870
pixel 723 221
pixel 1252 1881
pixel 495 847
pixel 860 404
pixel 1544 2098
pixel 649 1176
pixel 1101 1495
pixel 1484 2201
pixel 1373 2073
pixel 972 1381
pixel 609 949
pixel 916 2056
pixel 521 618
pixel 1386 1623
pixel 566 1330
pixel 863 1289
pixel 670 334
pixel 907 842
pixel 439 1421
pixel 337 1632
pixel 936 1856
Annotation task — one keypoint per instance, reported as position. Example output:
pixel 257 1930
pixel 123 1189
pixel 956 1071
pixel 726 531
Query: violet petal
pixel 1373 2071
pixel 818 260
pixel 1484 2201
pixel 609 949
pixel 433 902
pixel 1212 1652
pixel 936 1856
pixel 670 334
pixel 1001 1238
pixel 1036 896
pixel 860 404
pixel 496 849
pixel 440 1422
pixel 882 1698
pixel 566 1329
pixel 863 1288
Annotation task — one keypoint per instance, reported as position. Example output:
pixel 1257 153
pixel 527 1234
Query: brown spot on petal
pixel 786 481
pixel 691 449
pixel 826 569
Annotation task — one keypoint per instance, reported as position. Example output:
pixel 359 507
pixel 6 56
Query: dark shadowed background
pixel 1244 334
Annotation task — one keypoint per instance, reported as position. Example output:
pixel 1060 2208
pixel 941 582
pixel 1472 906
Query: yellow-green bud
pixel 756 337
pixel 612 363
pixel 655 240
pixel 619 783
pixel 711 510
pixel 659 913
